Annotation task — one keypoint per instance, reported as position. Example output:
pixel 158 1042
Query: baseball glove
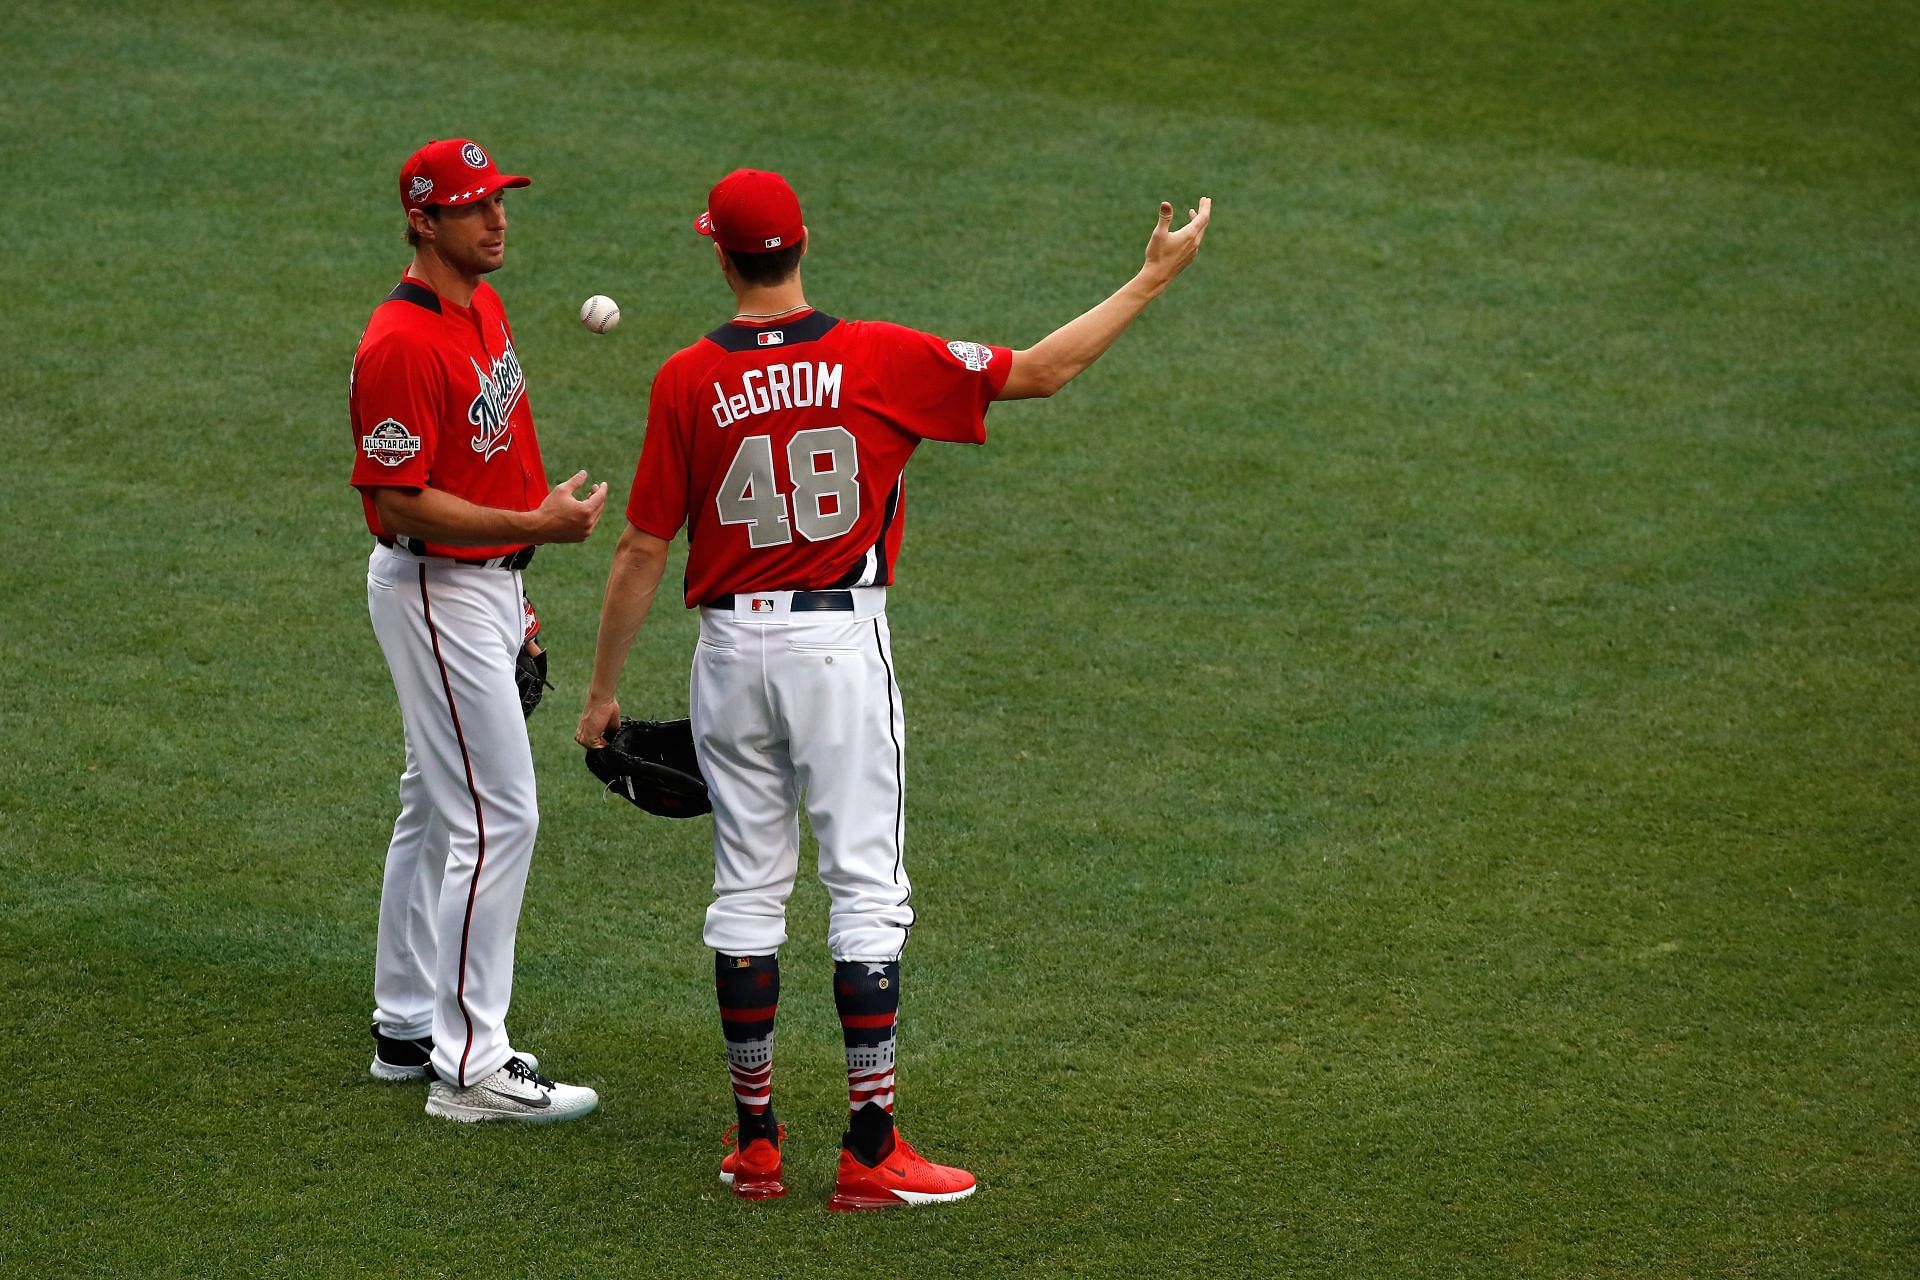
pixel 530 674
pixel 651 763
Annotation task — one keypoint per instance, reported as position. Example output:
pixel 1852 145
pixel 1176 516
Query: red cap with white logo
pixel 452 171
pixel 751 211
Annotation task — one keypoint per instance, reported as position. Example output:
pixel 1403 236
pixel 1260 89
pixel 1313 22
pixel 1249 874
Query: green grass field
pixel 1413 756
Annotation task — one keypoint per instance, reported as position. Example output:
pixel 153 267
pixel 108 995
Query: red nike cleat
pixel 904 1177
pixel 753 1171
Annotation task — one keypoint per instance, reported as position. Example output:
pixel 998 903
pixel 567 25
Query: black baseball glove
pixel 651 763
pixel 530 674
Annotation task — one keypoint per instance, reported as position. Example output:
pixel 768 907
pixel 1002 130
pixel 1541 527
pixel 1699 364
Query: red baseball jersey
pixel 438 398
pixel 781 447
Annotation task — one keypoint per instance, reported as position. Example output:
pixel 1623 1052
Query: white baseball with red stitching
pixel 599 313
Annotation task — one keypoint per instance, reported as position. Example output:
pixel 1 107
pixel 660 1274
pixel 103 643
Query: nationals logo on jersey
pixel 390 444
pixel 500 390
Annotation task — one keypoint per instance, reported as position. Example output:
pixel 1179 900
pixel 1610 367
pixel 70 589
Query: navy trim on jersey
pixel 745 337
pixel 883 572
pixel 419 295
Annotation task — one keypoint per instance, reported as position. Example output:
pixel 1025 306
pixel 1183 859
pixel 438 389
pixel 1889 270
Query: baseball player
pixel 779 441
pixel 449 472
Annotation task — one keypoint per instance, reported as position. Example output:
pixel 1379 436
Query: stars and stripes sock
pixel 867 994
pixel 749 989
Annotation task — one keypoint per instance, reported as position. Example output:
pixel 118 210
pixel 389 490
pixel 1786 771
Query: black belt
pixel 512 560
pixel 802 602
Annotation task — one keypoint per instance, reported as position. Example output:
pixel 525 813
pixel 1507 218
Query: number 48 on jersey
pixel 821 500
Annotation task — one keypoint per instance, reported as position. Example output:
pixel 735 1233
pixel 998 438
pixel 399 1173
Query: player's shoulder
pixel 401 336
pixel 394 330
pixel 870 342
pixel 880 331
pixel 904 341
pixel 693 359
pixel 897 337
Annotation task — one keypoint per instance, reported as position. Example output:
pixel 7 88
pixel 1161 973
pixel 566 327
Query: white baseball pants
pixel 457 865
pixel 405 948
pixel 793 708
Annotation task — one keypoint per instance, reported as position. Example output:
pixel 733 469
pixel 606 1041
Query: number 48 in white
pixel 749 493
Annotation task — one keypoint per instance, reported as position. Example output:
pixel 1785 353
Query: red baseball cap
pixel 751 211
pixel 452 171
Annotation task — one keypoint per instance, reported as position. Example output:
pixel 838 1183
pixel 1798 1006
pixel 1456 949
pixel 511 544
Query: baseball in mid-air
pixel 599 313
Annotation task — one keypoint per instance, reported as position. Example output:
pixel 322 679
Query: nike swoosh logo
pixel 896 1173
pixel 538 1103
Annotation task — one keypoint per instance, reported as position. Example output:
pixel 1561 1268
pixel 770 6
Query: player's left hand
pixel 600 717
pixel 1169 251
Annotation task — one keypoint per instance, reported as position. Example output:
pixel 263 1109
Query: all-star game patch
pixel 421 188
pixel 971 354
pixel 390 443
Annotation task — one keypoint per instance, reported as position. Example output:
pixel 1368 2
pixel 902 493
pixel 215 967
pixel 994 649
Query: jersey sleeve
pixel 940 390
pixel 657 504
pixel 397 393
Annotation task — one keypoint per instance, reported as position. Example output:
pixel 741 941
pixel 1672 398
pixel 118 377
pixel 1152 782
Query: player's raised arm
pixel 1064 354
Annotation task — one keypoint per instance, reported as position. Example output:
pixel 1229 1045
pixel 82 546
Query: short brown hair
pixel 768 268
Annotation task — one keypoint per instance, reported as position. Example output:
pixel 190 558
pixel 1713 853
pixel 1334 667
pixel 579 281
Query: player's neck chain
pixel 770 315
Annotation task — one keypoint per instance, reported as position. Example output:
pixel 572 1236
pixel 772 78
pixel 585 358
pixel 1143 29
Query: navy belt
pixel 802 602
pixel 512 560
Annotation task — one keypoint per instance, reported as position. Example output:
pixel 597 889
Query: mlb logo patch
pixel 771 338
pixel 762 605
pixel 773 242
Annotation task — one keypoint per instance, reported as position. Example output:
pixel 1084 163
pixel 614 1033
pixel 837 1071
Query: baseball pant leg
pixel 450 634
pixel 848 742
pixel 756 819
pixel 404 950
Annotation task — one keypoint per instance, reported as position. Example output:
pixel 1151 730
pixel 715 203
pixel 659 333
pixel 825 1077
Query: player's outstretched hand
pixel 1169 251
pixel 600 717
pixel 565 518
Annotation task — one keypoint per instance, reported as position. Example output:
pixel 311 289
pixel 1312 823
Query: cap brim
pixel 482 191
pixel 704 224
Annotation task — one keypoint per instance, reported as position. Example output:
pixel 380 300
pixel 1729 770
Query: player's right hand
pixel 565 518
pixel 600 717
pixel 1169 251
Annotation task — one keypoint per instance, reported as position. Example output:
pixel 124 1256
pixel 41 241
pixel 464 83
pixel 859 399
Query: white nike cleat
pixel 514 1092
